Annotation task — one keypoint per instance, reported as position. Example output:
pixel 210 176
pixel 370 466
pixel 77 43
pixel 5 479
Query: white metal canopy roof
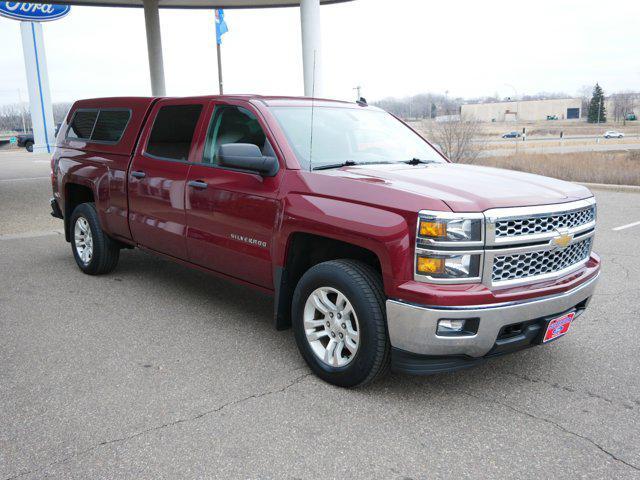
pixel 189 3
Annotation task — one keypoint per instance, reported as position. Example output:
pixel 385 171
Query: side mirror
pixel 246 156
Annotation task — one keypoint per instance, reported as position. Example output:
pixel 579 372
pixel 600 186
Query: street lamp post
pixel 516 99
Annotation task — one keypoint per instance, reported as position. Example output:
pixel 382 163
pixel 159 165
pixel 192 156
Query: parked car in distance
pixel 613 134
pixel 26 140
pixel 378 251
pixel 512 135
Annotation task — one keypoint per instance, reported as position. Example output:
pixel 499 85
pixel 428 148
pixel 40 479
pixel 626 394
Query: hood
pixel 468 188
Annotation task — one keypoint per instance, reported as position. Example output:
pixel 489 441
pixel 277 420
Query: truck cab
pixel 378 251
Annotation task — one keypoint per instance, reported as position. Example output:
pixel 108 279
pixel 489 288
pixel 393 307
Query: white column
pixel 311 51
pixel 154 47
pixel 35 63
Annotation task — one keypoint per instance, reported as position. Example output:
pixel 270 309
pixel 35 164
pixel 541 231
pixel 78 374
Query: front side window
pixel 82 124
pixel 231 124
pixel 173 131
pixel 358 135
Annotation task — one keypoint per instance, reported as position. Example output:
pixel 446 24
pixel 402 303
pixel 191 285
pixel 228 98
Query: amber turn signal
pixel 433 229
pixel 430 266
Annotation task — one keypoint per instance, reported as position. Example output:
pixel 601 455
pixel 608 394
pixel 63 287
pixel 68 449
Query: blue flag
pixel 221 25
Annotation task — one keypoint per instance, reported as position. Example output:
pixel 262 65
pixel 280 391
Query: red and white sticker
pixel 558 327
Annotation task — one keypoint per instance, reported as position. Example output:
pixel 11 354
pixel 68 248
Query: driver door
pixel 231 214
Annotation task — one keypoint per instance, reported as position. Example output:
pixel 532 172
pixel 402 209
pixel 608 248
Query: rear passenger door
pixel 158 174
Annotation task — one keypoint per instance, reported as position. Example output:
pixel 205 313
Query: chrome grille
pixel 516 227
pixel 531 264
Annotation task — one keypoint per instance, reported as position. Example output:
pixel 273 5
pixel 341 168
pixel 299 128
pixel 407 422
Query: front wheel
pixel 29 146
pixel 94 252
pixel 339 323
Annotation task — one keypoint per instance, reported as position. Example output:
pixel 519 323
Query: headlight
pixel 449 247
pixel 437 265
pixel 435 229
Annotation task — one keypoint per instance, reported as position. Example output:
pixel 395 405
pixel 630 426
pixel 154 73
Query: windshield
pixel 354 136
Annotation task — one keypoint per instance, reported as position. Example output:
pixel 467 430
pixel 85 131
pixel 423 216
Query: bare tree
pixel 585 95
pixel 60 111
pixel 623 104
pixel 421 106
pixel 455 138
pixel 14 116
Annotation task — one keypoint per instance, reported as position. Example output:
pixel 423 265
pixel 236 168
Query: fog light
pixel 447 327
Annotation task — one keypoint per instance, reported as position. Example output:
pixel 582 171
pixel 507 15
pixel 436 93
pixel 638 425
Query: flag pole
pixel 221 29
pixel 219 69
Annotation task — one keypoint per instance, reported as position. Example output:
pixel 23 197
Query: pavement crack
pixel 555 425
pixel 571 389
pixel 624 268
pixel 179 421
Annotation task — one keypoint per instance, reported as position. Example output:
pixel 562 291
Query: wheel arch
pixel 74 195
pixel 303 251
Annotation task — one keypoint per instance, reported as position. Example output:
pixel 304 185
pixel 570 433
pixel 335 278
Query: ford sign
pixel 33 12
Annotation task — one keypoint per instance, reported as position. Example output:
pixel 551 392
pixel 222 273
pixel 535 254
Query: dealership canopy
pixel 309 20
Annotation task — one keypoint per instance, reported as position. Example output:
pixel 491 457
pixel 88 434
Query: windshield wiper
pixel 417 161
pixel 347 163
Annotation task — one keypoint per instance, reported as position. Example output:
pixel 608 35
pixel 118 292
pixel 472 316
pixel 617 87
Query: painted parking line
pixel 628 225
pixel 7 180
pixel 19 236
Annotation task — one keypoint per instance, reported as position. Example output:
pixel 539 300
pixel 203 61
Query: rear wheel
pixel 339 322
pixel 94 252
pixel 29 146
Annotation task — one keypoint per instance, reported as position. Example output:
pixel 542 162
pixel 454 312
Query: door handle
pixel 138 174
pixel 197 184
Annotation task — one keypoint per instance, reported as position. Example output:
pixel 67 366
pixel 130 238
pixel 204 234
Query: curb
pixel 612 187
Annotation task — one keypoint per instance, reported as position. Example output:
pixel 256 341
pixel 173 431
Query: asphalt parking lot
pixel 158 371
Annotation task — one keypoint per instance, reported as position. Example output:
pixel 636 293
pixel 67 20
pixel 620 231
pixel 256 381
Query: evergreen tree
pixel 597 113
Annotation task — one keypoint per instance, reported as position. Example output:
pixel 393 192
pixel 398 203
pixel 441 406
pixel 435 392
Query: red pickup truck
pixel 378 251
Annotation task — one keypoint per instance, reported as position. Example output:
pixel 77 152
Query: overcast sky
pixel 391 48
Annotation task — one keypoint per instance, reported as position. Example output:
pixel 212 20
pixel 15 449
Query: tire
pixel 29 146
pixel 361 287
pixel 95 253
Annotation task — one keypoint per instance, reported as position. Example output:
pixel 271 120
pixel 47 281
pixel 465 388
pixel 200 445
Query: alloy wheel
pixel 83 240
pixel 331 327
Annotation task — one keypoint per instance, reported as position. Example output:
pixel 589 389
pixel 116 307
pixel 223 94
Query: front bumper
pixel 412 328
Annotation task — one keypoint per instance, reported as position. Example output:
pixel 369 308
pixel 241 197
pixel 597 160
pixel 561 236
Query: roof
pixel 189 3
pixel 269 100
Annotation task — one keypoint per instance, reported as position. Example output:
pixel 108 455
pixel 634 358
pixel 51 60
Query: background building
pixel 529 110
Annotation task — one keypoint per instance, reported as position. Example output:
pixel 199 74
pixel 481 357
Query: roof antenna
pixel 313 94
pixel 362 102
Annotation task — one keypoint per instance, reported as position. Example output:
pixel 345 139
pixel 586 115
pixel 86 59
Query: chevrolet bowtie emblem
pixel 562 240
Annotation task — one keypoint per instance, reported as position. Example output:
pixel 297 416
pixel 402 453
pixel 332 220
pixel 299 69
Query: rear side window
pixel 105 126
pixel 173 131
pixel 82 124
pixel 110 125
